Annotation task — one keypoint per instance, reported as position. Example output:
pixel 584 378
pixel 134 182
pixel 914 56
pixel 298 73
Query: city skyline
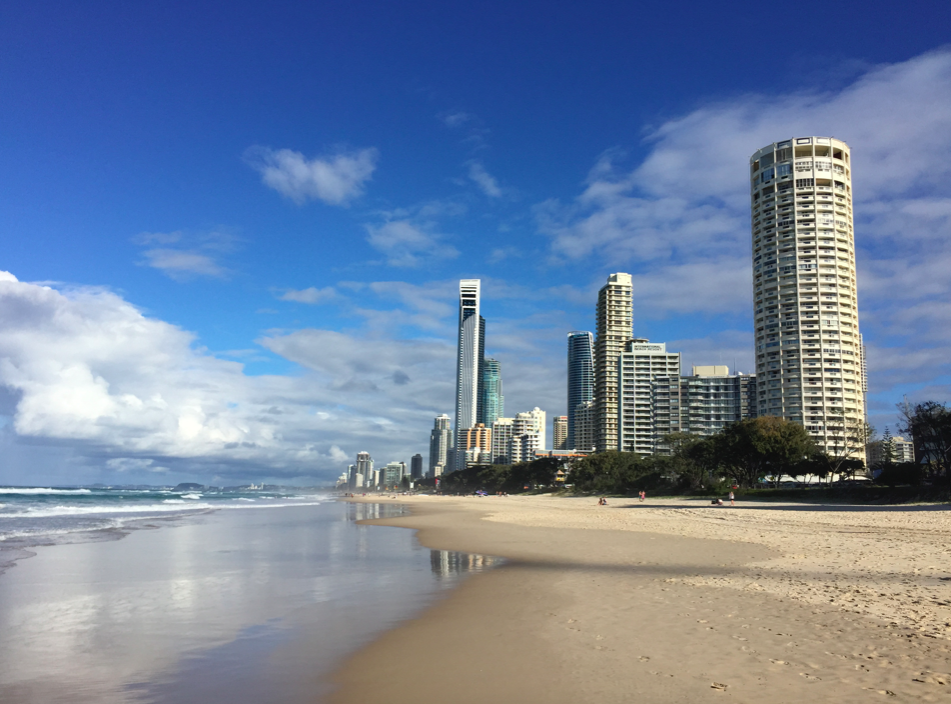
pixel 236 259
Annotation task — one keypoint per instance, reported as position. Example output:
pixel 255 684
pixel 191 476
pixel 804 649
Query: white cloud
pixel 134 464
pixel 455 119
pixel 180 263
pixel 406 243
pixel 310 295
pixel 83 368
pixel 484 180
pixel 196 255
pixel 336 179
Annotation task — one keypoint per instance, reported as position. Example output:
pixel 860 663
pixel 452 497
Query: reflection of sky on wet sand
pixel 239 606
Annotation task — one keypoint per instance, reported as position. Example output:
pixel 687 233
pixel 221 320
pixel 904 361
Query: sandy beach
pixel 673 601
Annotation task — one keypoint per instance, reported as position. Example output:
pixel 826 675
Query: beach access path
pixel 672 600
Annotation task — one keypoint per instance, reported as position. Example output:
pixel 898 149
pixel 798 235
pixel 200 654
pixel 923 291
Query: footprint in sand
pixel 778 662
pixel 810 677
pixel 644 658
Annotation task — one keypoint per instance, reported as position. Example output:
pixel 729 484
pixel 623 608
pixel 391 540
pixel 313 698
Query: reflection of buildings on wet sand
pixel 370 512
pixel 446 563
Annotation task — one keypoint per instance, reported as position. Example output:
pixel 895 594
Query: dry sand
pixel 673 601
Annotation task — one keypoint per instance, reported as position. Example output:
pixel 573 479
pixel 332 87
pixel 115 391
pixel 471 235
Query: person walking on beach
pixel 643 495
pixel 731 499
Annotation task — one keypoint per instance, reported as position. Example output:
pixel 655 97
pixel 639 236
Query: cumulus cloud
pixel 408 244
pixel 335 179
pixel 310 295
pixel 86 369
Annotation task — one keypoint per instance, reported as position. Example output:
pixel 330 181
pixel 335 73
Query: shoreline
pixel 670 601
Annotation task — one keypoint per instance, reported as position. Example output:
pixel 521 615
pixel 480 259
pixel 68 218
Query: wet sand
pixel 237 606
pixel 673 601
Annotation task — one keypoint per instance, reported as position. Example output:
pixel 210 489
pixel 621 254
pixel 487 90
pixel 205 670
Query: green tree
pixel 754 448
pixel 929 425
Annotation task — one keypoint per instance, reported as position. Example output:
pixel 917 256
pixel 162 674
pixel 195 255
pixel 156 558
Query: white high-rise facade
pixel 469 364
pixel 502 430
pixel 440 443
pixel 809 362
pixel 639 365
pixel 615 321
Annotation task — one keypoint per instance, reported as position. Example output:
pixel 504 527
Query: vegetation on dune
pixel 750 455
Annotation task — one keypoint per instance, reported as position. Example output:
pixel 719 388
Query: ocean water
pixel 130 597
pixel 48 515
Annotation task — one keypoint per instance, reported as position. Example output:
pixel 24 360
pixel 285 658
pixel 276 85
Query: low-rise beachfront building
pixel 901 451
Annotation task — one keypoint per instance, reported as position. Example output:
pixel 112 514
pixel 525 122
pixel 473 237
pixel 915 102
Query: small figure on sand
pixel 731 499
pixel 643 495
pixel 717 502
pixel 602 501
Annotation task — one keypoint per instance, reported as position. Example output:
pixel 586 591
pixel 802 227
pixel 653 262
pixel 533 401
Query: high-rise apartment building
pixel 478 445
pixel 809 362
pixel 580 377
pixel 416 466
pixel 364 470
pixel 354 480
pixel 502 430
pixel 701 404
pixel 559 429
pixel 493 402
pixel 470 364
pixel 639 364
pixel 391 476
pixel 614 329
pixel 440 443
pixel 586 427
pixel 528 435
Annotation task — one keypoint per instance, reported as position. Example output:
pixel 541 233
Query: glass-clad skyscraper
pixel 580 377
pixel 470 364
pixel 493 402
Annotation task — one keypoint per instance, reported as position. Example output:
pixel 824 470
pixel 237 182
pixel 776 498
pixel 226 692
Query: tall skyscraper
pixel 416 466
pixel 470 364
pixel 580 378
pixel 641 362
pixel 440 443
pixel 809 362
pixel 615 328
pixel 559 429
pixel 493 402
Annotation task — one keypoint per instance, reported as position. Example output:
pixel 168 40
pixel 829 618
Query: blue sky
pixel 234 231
